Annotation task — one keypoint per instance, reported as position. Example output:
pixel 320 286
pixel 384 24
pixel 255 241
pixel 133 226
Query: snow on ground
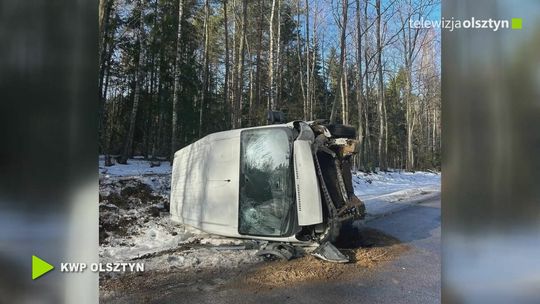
pixel 134 167
pixel 158 178
pixel 135 224
pixel 387 191
pixel 370 186
pixel 165 245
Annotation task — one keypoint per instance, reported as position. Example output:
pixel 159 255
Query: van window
pixel 266 182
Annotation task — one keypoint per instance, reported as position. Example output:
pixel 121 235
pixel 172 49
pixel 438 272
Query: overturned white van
pixel 286 182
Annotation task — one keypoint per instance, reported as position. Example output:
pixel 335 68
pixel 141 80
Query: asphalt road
pixel 413 277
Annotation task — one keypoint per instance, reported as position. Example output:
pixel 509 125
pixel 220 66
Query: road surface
pixel 412 277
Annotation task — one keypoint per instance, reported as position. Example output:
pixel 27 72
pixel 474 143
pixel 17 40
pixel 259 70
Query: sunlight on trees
pixel 172 71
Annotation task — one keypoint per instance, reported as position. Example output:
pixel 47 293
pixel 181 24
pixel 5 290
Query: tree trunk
pixel 271 86
pixel 342 63
pixel 205 68
pixel 308 87
pixel 226 80
pixel 158 122
pixel 299 52
pixel 258 60
pixel 385 117
pixel 359 83
pixel 177 72
pixel 233 79
pixel 240 70
pixel 105 9
pixel 409 122
pixel 278 65
pixel 104 17
pixel 345 96
pixel 137 95
pixel 380 112
pixel 251 92
pixel 368 148
pixel 313 94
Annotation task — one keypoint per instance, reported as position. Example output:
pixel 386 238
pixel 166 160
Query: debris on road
pixel 135 225
pixel 364 247
pixel 276 251
pixel 328 252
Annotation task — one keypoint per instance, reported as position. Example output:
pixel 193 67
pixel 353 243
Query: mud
pixel 365 247
pixel 151 286
pixel 126 203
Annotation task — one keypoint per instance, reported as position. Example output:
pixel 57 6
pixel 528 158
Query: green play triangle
pixel 40 267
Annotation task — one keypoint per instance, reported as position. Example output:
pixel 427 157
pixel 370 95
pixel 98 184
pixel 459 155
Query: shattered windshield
pixel 266 182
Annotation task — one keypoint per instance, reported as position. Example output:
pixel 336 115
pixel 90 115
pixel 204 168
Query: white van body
pixel 205 186
pixel 283 182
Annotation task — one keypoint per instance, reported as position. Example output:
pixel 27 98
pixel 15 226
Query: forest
pixel 173 71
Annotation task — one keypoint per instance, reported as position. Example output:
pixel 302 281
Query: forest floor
pixel 135 226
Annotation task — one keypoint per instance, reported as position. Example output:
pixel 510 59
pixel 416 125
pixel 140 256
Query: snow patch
pixel 383 191
pixel 134 167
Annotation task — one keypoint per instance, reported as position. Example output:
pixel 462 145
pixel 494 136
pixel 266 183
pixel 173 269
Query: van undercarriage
pixel 332 157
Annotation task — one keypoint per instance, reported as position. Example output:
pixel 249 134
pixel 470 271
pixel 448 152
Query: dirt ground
pixel 128 205
pixel 366 248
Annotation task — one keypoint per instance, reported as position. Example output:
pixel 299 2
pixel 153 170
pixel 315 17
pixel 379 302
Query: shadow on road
pixel 411 224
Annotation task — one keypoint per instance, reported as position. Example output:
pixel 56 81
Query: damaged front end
pixel 333 149
pixel 329 149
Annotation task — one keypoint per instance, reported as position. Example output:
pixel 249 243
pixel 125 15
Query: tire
pixel 344 131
